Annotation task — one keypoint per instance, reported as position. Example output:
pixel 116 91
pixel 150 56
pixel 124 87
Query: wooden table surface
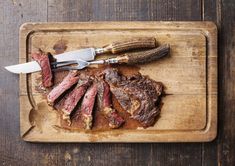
pixel 14 151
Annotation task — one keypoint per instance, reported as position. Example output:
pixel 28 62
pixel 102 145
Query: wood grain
pixel 226 138
pixel 123 10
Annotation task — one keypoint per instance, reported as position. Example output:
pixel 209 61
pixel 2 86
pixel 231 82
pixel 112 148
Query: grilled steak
pixel 44 62
pixel 128 103
pixel 136 94
pixel 70 101
pixel 87 106
pixel 70 80
pixel 112 76
pixel 153 88
pixel 145 110
pixel 105 104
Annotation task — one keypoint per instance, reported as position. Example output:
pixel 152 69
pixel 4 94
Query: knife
pixel 88 54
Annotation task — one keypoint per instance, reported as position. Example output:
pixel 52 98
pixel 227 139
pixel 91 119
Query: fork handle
pixel 126 45
pixel 142 56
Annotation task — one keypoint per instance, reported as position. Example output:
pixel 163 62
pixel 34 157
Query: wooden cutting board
pixel 189 111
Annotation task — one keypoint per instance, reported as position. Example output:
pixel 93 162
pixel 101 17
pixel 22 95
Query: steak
pixel 43 60
pixel 105 105
pixel 151 87
pixel 70 80
pixel 126 101
pixel 123 98
pixel 70 101
pixel 145 110
pixel 112 76
pixel 87 105
pixel 137 94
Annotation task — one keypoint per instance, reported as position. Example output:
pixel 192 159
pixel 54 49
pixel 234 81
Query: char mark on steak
pixel 43 59
pixel 105 105
pixel 86 109
pixel 70 100
pixel 70 80
pixel 137 94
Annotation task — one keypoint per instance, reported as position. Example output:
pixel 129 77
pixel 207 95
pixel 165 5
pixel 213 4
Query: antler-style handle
pixel 126 45
pixel 143 56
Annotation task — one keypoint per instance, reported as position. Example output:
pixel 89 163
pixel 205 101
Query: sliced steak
pixel 146 111
pixel 112 76
pixel 70 101
pixel 87 105
pixel 61 88
pixel 153 88
pixel 105 105
pixel 123 98
pixel 44 62
pixel 138 95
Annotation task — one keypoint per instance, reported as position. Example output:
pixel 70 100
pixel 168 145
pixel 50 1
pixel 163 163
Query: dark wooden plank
pixel 105 154
pixel 209 153
pixel 226 142
pixel 123 10
pixel 69 11
pixel 177 154
pixel 146 10
pixel 209 10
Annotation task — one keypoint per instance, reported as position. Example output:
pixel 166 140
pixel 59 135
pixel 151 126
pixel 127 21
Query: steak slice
pixel 122 97
pixel 105 104
pixel 87 105
pixel 44 61
pixel 146 111
pixel 153 88
pixel 70 101
pixel 137 94
pixel 61 88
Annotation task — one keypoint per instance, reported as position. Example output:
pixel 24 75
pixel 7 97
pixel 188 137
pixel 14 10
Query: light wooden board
pixel 189 112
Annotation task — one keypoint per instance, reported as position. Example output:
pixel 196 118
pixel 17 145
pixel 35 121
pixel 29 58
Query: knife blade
pixel 88 54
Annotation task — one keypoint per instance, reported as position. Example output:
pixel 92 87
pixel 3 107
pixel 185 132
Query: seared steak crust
pixel 136 94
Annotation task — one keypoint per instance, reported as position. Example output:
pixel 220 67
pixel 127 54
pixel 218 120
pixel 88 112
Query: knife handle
pixel 143 56
pixel 126 45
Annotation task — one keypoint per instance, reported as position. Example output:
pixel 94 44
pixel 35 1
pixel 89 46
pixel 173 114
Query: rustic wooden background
pixel 13 151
